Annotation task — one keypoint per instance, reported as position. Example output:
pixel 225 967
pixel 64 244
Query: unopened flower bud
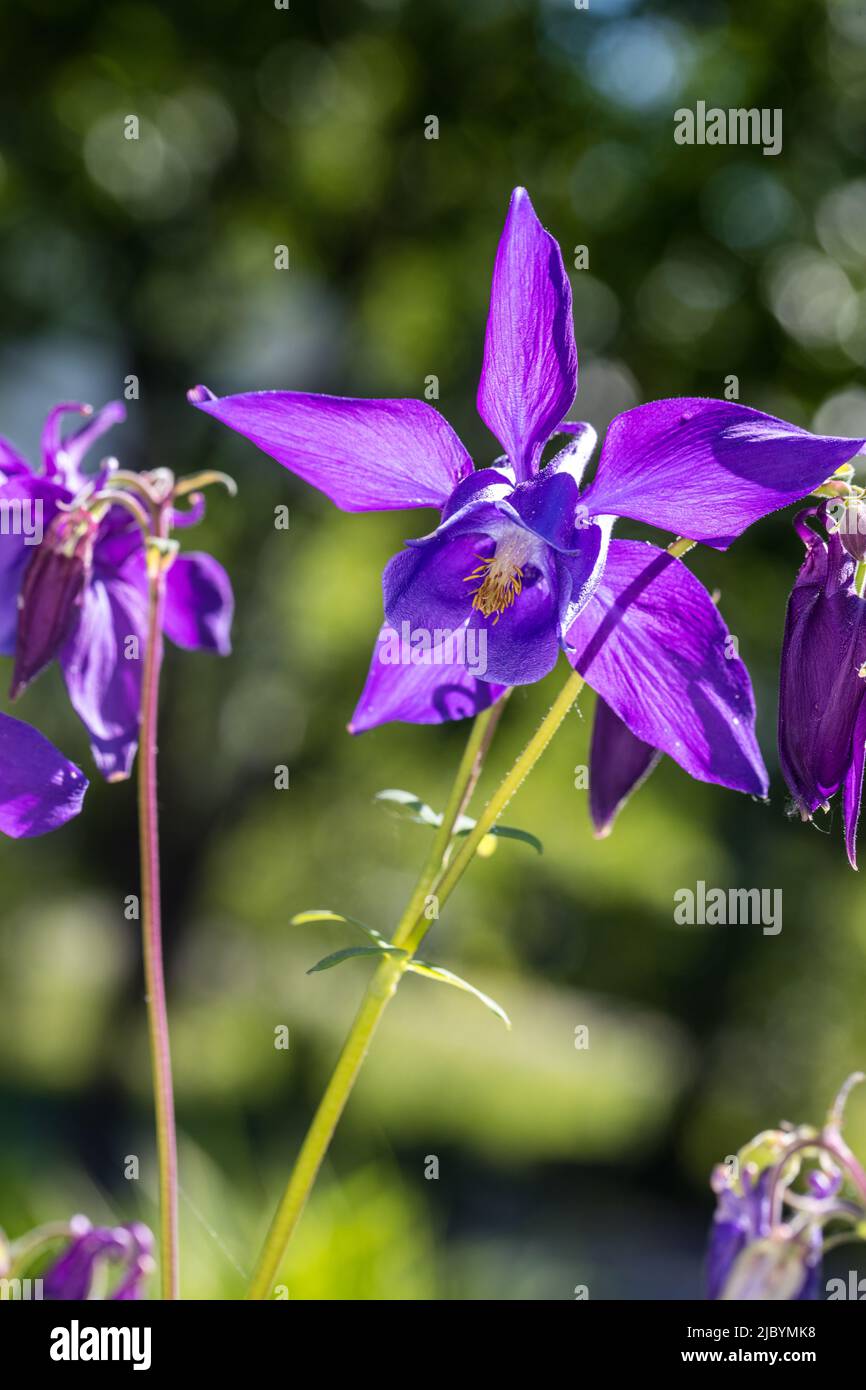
pixel 51 594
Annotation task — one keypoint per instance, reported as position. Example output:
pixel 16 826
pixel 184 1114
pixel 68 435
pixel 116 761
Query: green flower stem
pixel 483 729
pixel 444 887
pixel 409 932
pixel 681 547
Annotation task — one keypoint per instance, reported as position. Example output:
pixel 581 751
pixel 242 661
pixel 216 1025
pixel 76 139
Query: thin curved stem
pixel 151 929
pixel 409 933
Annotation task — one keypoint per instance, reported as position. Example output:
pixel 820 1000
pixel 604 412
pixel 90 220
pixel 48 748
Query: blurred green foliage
pixel 558 1166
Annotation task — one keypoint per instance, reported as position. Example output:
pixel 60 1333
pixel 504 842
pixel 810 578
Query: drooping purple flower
pixel 40 790
pixel 822 709
pixel 79 595
pixel 775 1203
pixel 521 560
pixel 92 1252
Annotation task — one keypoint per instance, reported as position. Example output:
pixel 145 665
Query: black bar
pixel 257 1339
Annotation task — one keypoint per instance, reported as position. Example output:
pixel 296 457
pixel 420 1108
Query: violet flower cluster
pixel 780 1203
pixel 80 597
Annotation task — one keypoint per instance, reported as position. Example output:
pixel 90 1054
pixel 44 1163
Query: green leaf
pixel 324 914
pixel 447 977
pixel 339 956
pixel 505 832
pixel 510 832
pixel 409 806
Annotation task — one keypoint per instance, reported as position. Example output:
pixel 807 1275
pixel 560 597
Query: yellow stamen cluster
pixel 501 583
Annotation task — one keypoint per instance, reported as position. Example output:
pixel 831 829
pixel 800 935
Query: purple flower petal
pixel 651 642
pixel 366 455
pixel 11 462
pixel 63 457
pixel 529 375
pixel 852 787
pixel 707 469
pixel 523 645
pixel 618 764
pixel 421 687
pixel 576 454
pixel 199 604
pixel 40 790
pixel 484 485
pixel 29 503
pixel 71 1277
pixel 820 691
pixel 547 505
pixel 52 430
pixel 427 585
pixel 727 1239
pixel 432 587
pixel 191 514
pixel 140 1263
pixel 102 663
pixel 579 573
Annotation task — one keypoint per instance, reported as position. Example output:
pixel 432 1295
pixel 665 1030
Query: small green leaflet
pixel 382 947
pixel 339 956
pixel 324 914
pixel 505 832
pixel 447 977
pixel 410 807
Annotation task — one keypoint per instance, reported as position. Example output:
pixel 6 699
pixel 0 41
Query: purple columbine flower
pixel 40 790
pixel 92 1251
pixel 822 709
pixel 80 595
pixel 521 564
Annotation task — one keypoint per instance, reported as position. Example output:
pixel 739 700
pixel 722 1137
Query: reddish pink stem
pixel 151 924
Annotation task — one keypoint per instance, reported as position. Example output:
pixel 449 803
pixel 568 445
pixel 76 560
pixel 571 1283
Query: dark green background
pixel 259 127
